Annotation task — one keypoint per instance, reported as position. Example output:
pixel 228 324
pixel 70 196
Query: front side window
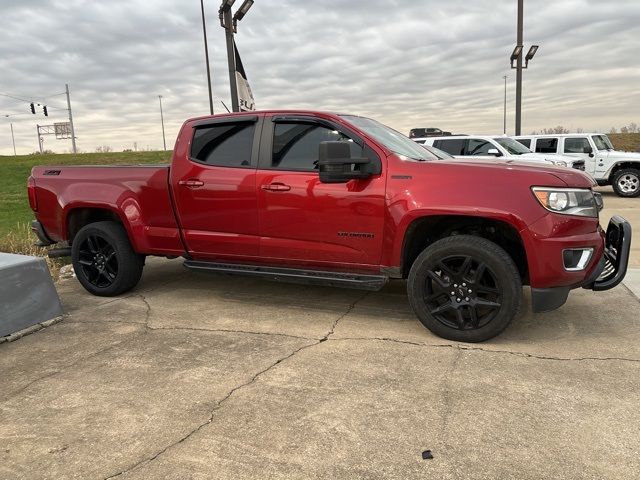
pixel 227 145
pixel 452 147
pixel 478 147
pixel 576 145
pixel 524 141
pixel 511 146
pixel 296 145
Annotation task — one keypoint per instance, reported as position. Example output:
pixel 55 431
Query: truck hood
pixel 618 155
pixel 517 165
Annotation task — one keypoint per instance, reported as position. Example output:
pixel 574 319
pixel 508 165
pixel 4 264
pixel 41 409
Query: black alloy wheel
pixel 104 260
pixel 462 293
pixel 465 288
pixel 98 261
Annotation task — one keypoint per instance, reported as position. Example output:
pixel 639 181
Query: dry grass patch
pixel 21 241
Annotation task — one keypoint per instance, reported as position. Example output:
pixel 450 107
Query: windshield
pixel 511 146
pixel 393 140
pixel 439 154
pixel 602 142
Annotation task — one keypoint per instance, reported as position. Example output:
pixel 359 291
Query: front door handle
pixel 276 187
pixel 191 183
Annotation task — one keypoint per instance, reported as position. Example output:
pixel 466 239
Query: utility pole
pixel 164 142
pixel 206 56
pixel 519 42
pixel 73 132
pixel 504 128
pixel 13 140
pixel 231 57
pixel 39 138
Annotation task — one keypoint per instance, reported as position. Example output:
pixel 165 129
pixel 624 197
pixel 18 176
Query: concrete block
pixel 27 293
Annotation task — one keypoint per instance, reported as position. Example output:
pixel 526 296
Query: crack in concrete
pixel 487 350
pixel 253 379
pixel 225 330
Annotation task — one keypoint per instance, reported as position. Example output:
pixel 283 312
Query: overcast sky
pixel 407 63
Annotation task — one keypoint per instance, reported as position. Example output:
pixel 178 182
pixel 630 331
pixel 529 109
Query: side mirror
pixel 494 151
pixel 587 150
pixel 336 165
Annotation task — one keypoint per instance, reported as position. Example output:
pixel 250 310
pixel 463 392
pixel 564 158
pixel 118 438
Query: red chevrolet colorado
pixel 338 200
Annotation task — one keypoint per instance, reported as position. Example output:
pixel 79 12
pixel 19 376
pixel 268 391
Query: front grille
pixel 579 165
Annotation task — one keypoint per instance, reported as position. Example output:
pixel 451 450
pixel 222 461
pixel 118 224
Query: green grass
pixel 14 205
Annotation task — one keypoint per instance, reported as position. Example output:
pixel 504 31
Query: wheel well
pixel 80 217
pixel 623 165
pixel 425 231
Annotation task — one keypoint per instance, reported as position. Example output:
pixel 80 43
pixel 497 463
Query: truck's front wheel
pixel 104 262
pixel 626 182
pixel 465 288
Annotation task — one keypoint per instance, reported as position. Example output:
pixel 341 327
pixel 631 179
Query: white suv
pixel 461 146
pixel 606 165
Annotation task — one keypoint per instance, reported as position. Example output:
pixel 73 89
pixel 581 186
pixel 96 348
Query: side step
pixel 293 275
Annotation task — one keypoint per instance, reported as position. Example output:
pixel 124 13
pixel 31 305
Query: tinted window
pixel 524 141
pixel 452 147
pixel 226 145
pixel 478 147
pixel 547 145
pixel 296 145
pixel 576 145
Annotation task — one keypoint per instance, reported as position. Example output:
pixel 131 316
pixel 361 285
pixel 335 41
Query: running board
pixel 293 275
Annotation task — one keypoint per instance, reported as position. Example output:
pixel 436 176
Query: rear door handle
pixel 276 187
pixel 191 183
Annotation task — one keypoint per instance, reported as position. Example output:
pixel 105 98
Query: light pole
pixel 206 57
pixel 164 142
pixel 516 56
pixel 230 24
pixel 13 140
pixel 504 127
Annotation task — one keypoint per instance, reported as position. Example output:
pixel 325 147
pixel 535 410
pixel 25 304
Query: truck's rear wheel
pixel 626 182
pixel 465 288
pixel 104 261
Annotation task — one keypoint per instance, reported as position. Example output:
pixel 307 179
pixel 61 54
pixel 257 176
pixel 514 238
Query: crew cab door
pixel 580 147
pixel 306 222
pixel 213 182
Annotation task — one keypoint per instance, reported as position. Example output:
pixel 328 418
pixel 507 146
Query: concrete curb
pixel 29 330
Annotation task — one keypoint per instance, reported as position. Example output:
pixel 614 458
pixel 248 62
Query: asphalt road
pixel 196 376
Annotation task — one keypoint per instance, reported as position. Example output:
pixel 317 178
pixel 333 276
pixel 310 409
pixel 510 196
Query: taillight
pixel 31 190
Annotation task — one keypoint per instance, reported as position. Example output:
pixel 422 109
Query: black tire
pixel 626 182
pixel 104 261
pixel 465 288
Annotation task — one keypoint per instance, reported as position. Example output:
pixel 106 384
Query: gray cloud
pixel 406 63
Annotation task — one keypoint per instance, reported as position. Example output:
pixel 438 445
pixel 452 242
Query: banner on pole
pixel 245 96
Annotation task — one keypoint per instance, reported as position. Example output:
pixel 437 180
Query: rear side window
pixel 452 147
pixel 227 145
pixel 296 145
pixel 524 141
pixel 547 145
pixel 576 145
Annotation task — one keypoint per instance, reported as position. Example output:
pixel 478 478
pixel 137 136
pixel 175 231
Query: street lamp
pixel 206 56
pixel 230 24
pixel 516 56
pixel 164 142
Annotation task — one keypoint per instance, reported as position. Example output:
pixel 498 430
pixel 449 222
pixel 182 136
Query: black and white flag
pixel 245 97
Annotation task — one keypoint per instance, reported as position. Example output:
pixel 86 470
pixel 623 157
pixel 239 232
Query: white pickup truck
pixel 480 146
pixel 606 165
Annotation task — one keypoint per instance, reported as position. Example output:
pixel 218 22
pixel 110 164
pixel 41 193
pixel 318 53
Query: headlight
pixel 568 201
pixel 560 163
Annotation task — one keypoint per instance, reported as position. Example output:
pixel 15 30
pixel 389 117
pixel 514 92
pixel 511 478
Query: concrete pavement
pixel 196 376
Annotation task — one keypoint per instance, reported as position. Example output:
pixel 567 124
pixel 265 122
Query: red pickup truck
pixel 338 200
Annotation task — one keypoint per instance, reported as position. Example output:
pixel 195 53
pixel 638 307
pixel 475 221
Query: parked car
pixel 488 147
pixel 338 200
pixel 427 132
pixel 607 165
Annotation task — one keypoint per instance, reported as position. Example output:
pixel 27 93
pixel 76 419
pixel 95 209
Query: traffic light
pixel 44 110
pixel 33 108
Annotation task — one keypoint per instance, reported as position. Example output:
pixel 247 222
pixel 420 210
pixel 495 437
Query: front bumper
pixel 609 272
